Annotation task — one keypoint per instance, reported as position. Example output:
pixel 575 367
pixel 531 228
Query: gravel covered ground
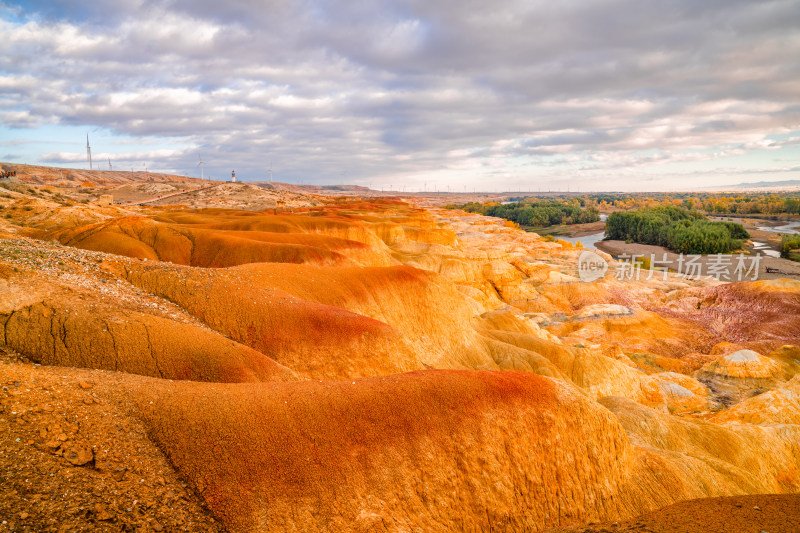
pixel 72 459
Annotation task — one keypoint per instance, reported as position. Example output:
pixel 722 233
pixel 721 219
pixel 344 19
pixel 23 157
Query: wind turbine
pixel 200 164
pixel 88 151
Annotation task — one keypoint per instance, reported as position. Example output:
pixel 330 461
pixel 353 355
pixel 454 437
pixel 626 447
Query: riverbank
pixel 765 233
pixel 708 263
pixel 569 230
pixel 773 220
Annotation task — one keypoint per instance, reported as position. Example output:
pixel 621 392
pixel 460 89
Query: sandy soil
pixel 770 237
pixel 139 192
pixel 787 268
pixel 761 220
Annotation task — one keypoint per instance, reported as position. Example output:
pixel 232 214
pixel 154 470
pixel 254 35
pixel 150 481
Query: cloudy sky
pixel 501 95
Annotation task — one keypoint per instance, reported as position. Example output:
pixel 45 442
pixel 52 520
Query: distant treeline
pixel 766 204
pixel 676 228
pixel 538 214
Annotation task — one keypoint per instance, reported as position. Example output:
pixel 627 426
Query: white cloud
pixel 137 157
pixel 411 86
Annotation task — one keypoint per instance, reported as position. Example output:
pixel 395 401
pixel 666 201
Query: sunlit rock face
pixel 374 365
pixel 739 375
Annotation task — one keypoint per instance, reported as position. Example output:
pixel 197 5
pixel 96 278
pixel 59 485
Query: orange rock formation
pixel 379 366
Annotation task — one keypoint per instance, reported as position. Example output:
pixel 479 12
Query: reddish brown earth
pixel 762 315
pixel 73 459
pixel 373 365
pixel 770 513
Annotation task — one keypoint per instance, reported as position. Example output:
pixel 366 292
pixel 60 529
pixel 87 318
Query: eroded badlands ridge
pixel 380 366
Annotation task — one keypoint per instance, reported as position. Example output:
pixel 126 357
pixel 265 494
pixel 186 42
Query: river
pixel 588 241
pixel 791 227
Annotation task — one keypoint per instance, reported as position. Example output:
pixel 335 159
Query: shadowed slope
pixel 62 326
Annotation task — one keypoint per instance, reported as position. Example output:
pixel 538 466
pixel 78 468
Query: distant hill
pixel 75 177
pixel 314 189
pixel 763 184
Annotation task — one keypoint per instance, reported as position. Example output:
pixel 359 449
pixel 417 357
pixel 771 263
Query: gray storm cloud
pixel 538 90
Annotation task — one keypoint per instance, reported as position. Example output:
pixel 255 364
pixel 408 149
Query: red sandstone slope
pixel 467 450
pixel 143 238
pixel 327 322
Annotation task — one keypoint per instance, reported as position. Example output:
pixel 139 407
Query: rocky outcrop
pixel 779 406
pixel 759 315
pixel 732 514
pixel 705 459
pixel 739 375
pixel 632 330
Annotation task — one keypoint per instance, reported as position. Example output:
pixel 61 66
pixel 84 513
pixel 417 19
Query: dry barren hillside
pixel 69 186
pixel 376 366
pixel 74 177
